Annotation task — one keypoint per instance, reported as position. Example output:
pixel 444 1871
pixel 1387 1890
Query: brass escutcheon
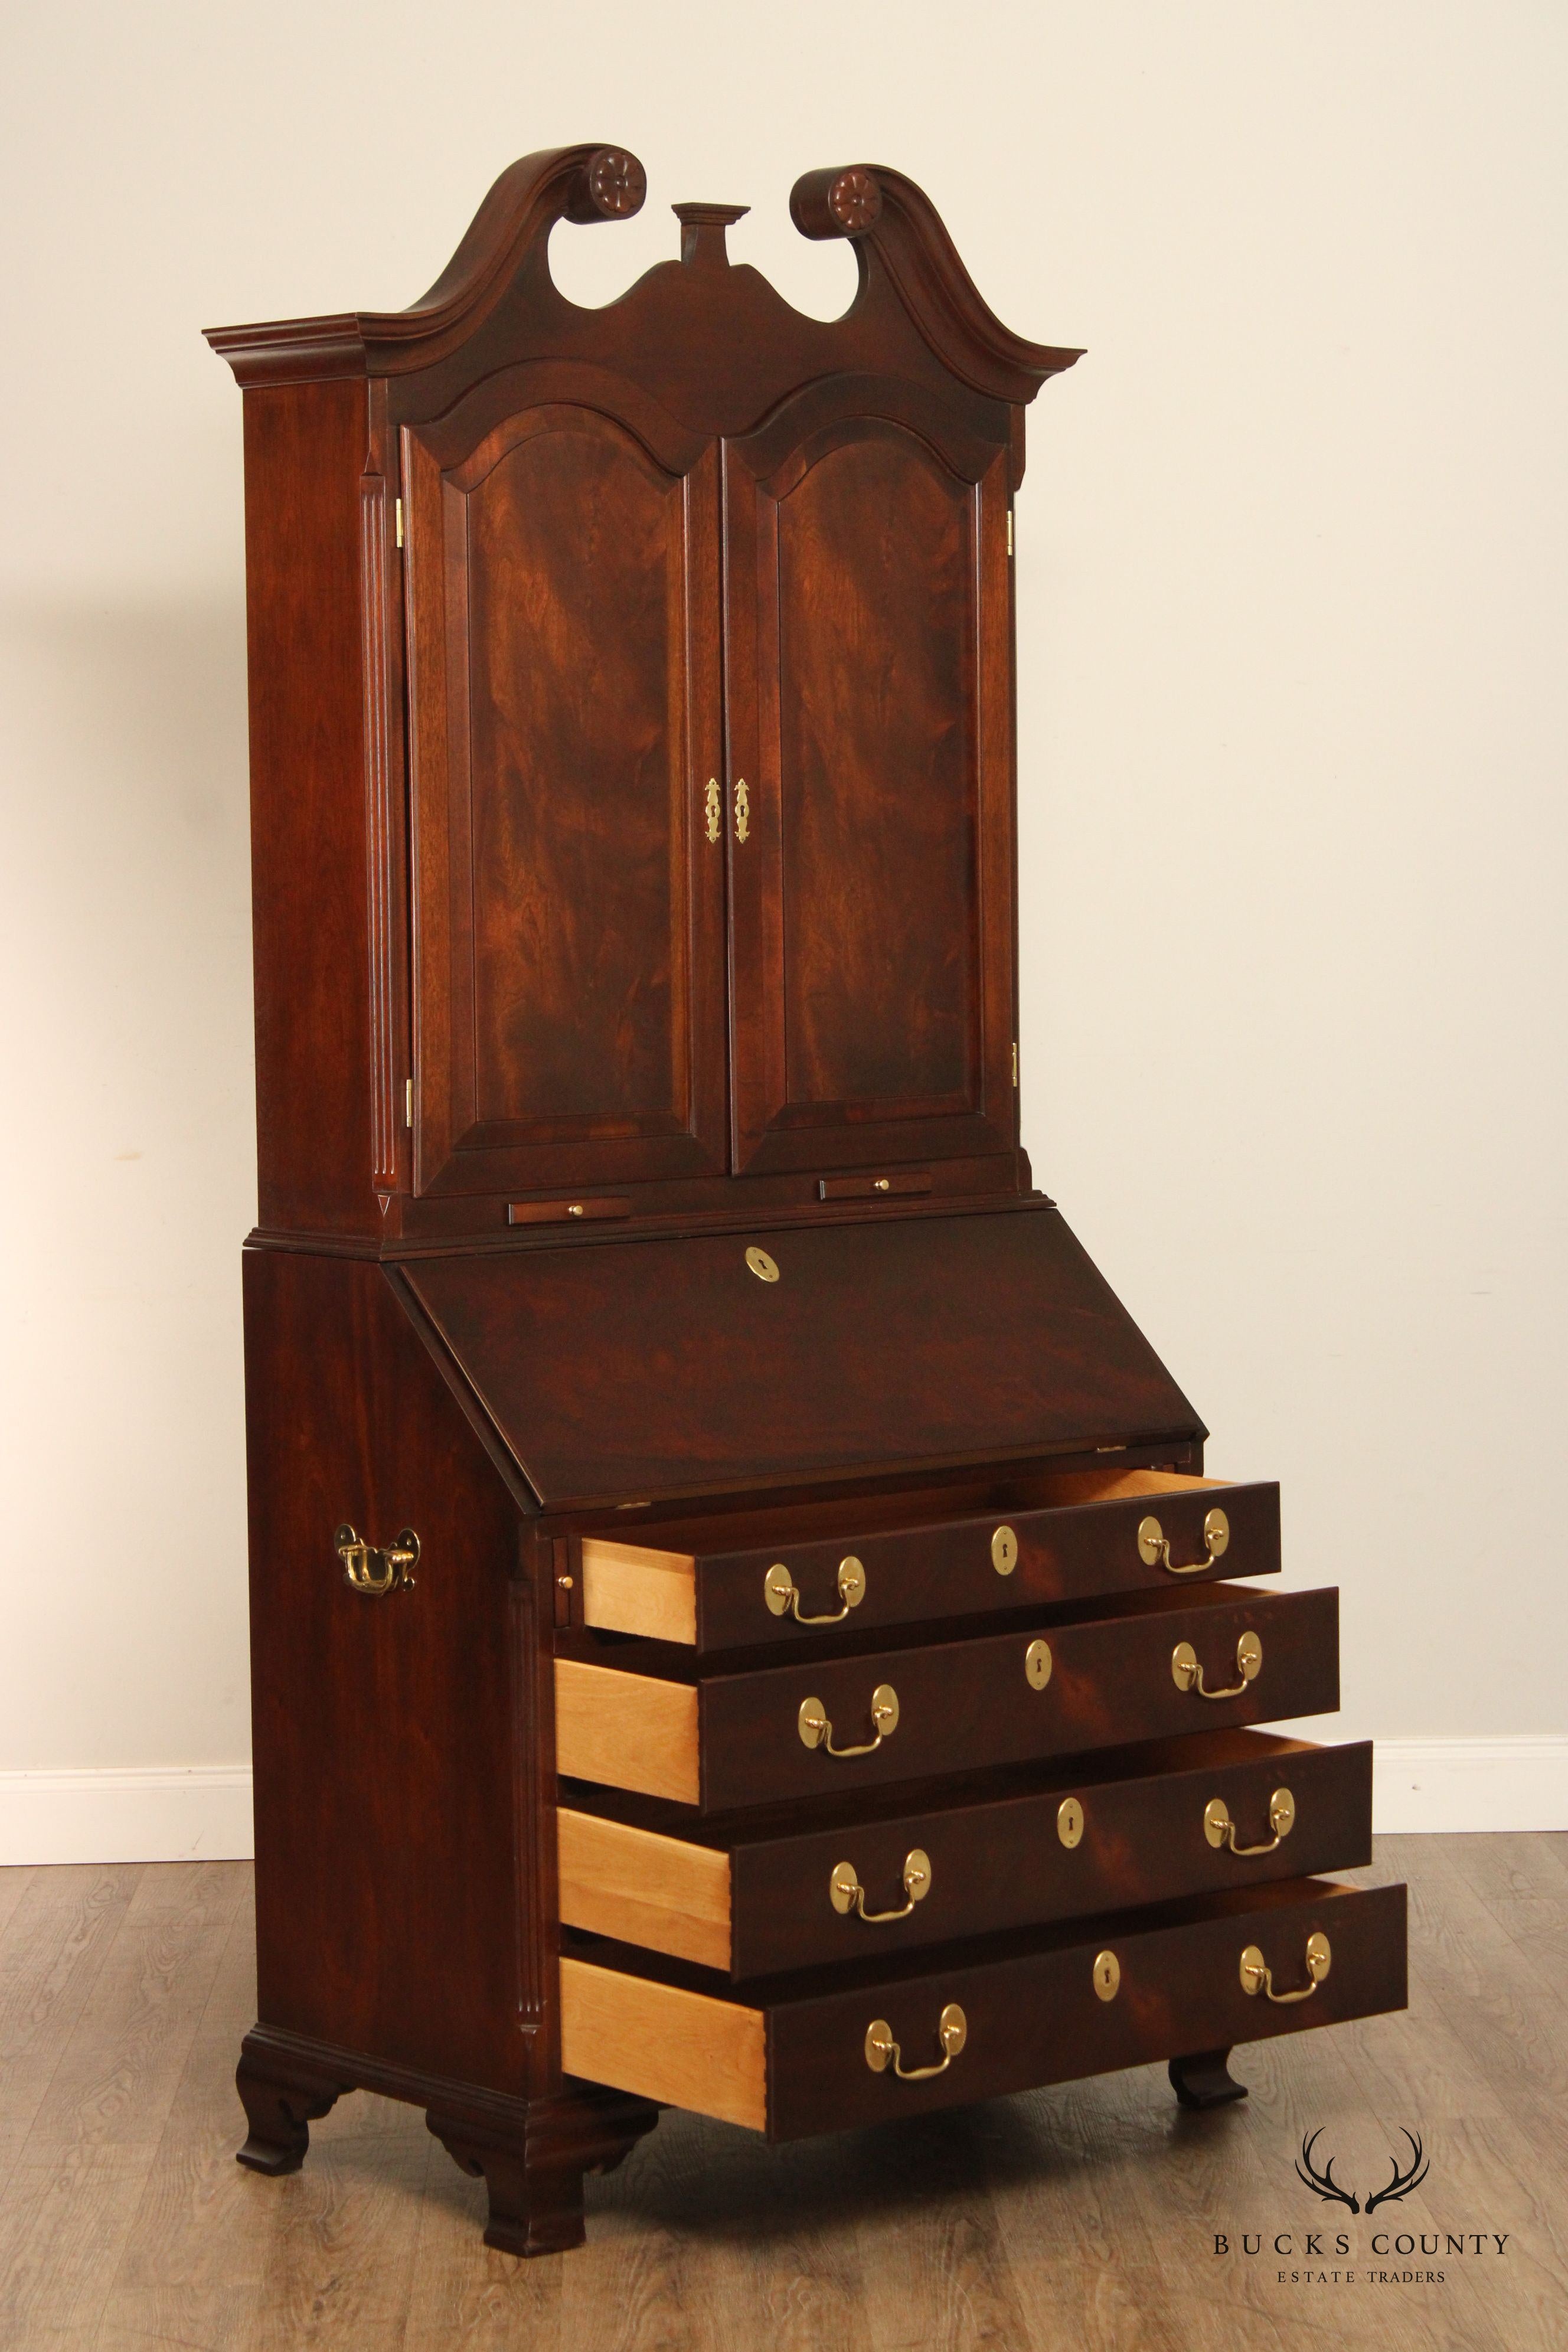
pixel 1220 1830
pixel 1257 1976
pixel 1107 1975
pixel 377 1569
pixel 762 1264
pixel 1037 1665
pixel 846 1893
pixel 817 1731
pixel 883 2051
pixel 1003 1552
pixel 1154 1549
pixel 1069 1820
pixel 781 1594
pixel 1188 1675
pixel 711 804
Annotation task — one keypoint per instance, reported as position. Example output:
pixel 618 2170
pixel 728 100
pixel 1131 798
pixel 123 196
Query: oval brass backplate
pixel 1216 1821
pixel 1217 1533
pixel 811 1722
pixel 1107 1975
pixel 917 1874
pixel 1282 1812
pixel 844 1886
pixel 778 1589
pixel 1037 1665
pixel 879 2046
pixel 1003 1552
pixel 762 1264
pixel 1150 1537
pixel 885 1709
pixel 1249 1656
pixel 953 2029
pixel 1069 1820
pixel 1319 1957
pixel 852 1581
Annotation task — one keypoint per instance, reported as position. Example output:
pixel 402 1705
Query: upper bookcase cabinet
pixel 632 726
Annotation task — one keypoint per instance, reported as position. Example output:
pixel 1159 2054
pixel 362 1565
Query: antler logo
pixel 1402 2183
pixel 1323 2184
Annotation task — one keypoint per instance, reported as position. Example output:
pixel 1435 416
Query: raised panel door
pixel 869 711
pixel 568 952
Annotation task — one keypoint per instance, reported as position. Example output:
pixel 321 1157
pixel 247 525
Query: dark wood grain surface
pixel 996 1857
pixel 1066 1550
pixel 644 1368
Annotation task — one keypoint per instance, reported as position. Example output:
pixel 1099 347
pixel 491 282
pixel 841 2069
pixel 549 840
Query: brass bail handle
pixel 375 1569
pixel 1220 1830
pixel 1257 1976
pixel 781 1594
pixel 883 2051
pixel 847 1895
pixel 1188 1675
pixel 817 1731
pixel 1154 1545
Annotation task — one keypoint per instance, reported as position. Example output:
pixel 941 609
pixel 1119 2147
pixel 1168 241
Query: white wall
pixel 1291 583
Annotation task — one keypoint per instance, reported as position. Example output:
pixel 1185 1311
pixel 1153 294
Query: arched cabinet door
pixel 870 716
pixel 568 873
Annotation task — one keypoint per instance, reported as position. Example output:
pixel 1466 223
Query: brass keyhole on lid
pixel 1069 1820
pixel 762 1264
pixel 1037 1665
pixel 1003 1552
pixel 1107 1975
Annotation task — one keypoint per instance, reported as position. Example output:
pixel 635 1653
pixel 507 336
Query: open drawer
pixel 765 1892
pixel 1155 1666
pixel 790 2058
pixel 727 1583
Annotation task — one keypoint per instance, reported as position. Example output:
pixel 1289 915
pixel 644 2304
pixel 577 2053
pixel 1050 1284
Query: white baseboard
pixel 1469 1784
pixel 197 1812
pixel 202 1811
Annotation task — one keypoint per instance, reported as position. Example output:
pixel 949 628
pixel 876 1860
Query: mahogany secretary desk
pixel 737 1611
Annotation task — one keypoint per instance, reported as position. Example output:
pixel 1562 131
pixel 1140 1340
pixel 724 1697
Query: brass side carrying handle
pixel 1220 1830
pixel 1257 1976
pixel 1188 1675
pixel 781 1592
pixel 883 2051
pixel 1154 1545
pixel 371 1567
pixel 846 1893
pixel 817 1731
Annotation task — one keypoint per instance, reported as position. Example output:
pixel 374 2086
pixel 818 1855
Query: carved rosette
pixel 855 200
pixel 617 183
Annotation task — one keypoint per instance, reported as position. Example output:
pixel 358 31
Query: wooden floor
pixel 1079 2217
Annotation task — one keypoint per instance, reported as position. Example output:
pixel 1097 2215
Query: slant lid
pixel 639 1370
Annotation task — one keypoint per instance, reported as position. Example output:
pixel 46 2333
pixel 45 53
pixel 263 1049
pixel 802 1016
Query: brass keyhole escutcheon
pixel 1188 1675
pixel 762 1264
pixel 1003 1552
pixel 1220 1830
pixel 1257 1976
pixel 815 1727
pixel 846 1893
pixel 1037 1665
pixel 1069 1820
pixel 1107 1975
pixel 783 1596
pixel 1155 1549
pixel 712 804
pixel 883 2051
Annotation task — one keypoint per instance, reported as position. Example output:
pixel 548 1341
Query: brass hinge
pixel 1015 1061
pixel 1009 531
pixel 407 1102
pixel 398 504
